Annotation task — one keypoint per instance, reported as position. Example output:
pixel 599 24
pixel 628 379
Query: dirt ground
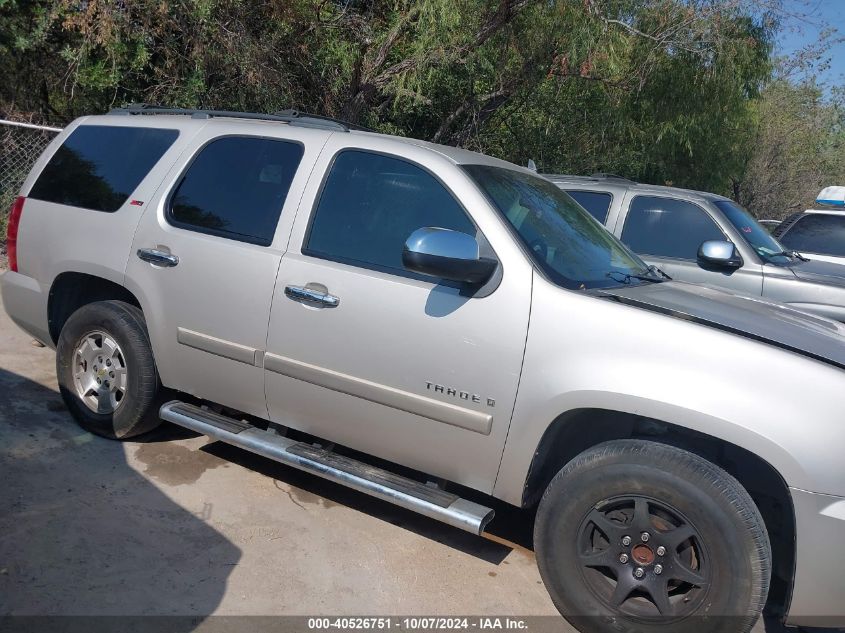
pixel 178 525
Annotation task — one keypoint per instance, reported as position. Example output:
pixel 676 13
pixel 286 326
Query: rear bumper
pixel 818 596
pixel 26 304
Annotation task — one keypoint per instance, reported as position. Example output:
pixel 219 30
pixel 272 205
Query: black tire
pixel 610 492
pixel 137 412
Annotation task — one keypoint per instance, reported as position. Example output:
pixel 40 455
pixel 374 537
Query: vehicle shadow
pixel 84 534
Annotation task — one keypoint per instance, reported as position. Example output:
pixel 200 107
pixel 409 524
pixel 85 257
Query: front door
pixel 667 232
pixel 205 258
pixel 389 362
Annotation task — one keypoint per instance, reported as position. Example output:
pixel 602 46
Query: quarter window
pixel 236 188
pixel 370 205
pixel 597 204
pixel 668 227
pixel 99 166
pixel 820 233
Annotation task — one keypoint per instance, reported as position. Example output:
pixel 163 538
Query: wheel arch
pixel 578 430
pixel 71 290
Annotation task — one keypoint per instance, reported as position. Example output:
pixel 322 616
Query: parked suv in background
pixel 299 289
pixel 819 233
pixel 704 238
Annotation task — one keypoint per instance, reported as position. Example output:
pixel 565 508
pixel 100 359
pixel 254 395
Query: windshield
pixel 752 232
pixel 571 247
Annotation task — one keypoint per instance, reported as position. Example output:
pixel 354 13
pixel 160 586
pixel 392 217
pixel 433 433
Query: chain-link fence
pixel 20 146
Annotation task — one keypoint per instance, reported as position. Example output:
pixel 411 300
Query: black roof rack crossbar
pixel 297 115
pixel 292 117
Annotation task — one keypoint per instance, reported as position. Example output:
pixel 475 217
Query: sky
pixel 801 31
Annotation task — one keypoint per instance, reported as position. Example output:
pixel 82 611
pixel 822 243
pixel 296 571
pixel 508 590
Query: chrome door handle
pixel 314 297
pixel 157 257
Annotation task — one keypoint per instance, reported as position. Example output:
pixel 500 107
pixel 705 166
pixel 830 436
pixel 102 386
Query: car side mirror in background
pixel 448 255
pixel 719 253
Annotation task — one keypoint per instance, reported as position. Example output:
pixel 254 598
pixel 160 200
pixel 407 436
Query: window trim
pixel 483 243
pixel 98 125
pixel 695 204
pixel 604 193
pixel 229 235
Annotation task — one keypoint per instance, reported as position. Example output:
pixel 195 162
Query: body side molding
pixel 381 394
pixel 218 347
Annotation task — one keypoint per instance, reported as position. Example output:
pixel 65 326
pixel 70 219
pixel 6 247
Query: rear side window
pixel 371 204
pixel 236 188
pixel 99 166
pixel 668 227
pixel 597 204
pixel 817 233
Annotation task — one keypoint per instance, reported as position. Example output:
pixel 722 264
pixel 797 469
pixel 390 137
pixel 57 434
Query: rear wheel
pixel 639 536
pixel 106 371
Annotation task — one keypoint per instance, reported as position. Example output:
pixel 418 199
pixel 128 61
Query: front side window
pixel 668 227
pixel 99 166
pixel 236 188
pixel 565 241
pixel 370 205
pixel 822 233
pixel 597 204
pixel 755 235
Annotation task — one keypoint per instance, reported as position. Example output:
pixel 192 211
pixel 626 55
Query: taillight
pixel 12 232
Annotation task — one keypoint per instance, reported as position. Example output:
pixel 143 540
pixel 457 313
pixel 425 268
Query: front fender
pixel 584 352
pixel 834 312
pixel 820 298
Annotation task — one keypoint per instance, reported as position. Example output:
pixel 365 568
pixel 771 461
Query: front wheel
pixel 638 536
pixel 106 371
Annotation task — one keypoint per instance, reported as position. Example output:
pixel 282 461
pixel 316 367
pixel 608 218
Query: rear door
pixel 403 366
pixel 206 253
pixel 668 231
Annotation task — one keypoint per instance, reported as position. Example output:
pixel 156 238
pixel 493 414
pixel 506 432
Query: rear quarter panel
pixel 55 238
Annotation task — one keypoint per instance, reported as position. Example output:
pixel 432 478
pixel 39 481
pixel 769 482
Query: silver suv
pixel 705 238
pixel 302 290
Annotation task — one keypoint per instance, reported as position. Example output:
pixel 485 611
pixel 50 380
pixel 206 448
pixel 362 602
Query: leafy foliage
pixel 799 148
pixel 665 91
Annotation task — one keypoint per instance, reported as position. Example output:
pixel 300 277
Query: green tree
pixel 659 90
pixel 798 148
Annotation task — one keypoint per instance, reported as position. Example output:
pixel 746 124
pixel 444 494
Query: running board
pixel 407 493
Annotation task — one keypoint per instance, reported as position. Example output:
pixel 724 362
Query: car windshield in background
pixel 757 237
pixel 572 248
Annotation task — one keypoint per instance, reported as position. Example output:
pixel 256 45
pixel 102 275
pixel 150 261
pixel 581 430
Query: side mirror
pixel 448 255
pixel 719 253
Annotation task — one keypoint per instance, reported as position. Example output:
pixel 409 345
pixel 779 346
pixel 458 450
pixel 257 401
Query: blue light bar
pixel 832 196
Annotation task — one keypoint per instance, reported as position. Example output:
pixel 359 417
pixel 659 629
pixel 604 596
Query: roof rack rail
pixel 605 176
pixel 592 178
pixel 291 117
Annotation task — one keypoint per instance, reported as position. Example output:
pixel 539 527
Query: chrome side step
pixel 407 493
